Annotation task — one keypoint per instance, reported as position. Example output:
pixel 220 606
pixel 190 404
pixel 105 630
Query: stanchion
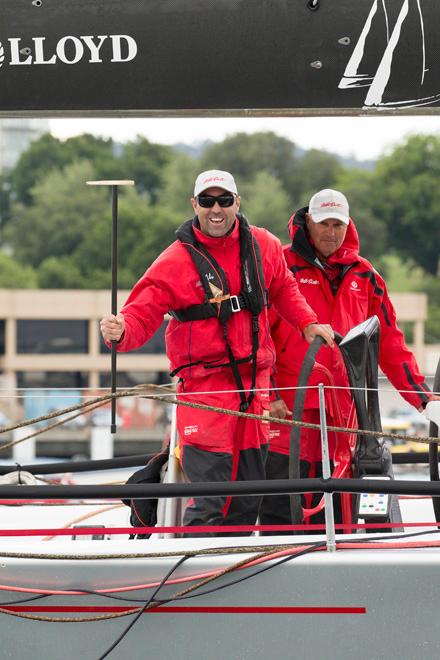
pixel 326 473
pixel 169 510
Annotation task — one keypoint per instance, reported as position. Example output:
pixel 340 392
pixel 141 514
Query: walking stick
pixel 114 266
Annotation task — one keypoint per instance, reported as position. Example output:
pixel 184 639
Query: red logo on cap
pixel 214 178
pixel 325 204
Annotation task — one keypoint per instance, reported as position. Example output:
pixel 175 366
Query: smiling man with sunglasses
pixel 217 210
pixel 217 280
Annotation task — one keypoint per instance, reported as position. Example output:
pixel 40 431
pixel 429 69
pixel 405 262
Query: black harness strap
pixel 218 301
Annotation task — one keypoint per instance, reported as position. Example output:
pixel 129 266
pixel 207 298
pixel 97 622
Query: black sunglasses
pixel 208 201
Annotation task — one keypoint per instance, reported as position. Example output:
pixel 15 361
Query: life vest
pixel 219 303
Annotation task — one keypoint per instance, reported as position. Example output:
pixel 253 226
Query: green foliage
pixel 66 232
pixel 432 327
pixel 64 209
pixel 144 162
pixel 407 197
pixel 59 273
pixel 41 156
pixel 431 286
pixel 314 171
pixel 178 186
pixel 266 204
pixel 143 232
pixel 401 277
pixel 245 155
pixel 14 275
pixel 50 154
pixel 139 160
pixel 59 230
pixel 357 187
pixel 266 154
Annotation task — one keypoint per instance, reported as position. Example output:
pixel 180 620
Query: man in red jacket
pixel 216 280
pixel 343 289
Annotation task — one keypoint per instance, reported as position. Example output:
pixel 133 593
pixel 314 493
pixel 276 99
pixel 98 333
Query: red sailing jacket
pixel 172 283
pixel 361 293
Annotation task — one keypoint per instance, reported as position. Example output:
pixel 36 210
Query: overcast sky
pixel 362 137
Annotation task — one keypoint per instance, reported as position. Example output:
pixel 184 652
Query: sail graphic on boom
pixel 407 46
pixel 408 49
pixel 365 58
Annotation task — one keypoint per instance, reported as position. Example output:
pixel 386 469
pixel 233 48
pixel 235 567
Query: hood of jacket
pixel 347 254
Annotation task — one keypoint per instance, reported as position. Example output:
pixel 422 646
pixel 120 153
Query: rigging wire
pixel 312 548
pixel 268 553
pixel 152 601
pixel 142 610
pixel 25 600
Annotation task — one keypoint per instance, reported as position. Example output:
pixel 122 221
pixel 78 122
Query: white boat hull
pixel 364 604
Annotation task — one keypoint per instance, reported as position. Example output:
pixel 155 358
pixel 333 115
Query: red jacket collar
pixel 222 241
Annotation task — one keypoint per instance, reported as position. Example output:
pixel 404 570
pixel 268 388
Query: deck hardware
pixel 313 5
pixel 317 64
pixel 326 473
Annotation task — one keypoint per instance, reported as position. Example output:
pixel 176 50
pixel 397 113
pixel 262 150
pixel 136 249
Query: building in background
pixel 52 357
pixel 15 137
pixel 50 340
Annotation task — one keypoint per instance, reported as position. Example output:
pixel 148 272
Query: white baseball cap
pixel 215 179
pixel 327 204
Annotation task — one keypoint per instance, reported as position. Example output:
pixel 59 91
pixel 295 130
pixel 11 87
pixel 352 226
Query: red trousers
pixel 221 447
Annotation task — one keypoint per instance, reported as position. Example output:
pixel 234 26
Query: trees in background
pixel 59 212
pixel 358 185
pixel 265 203
pixel 300 173
pixel 247 154
pixel 14 275
pixel 48 154
pixel 56 231
pixel 406 195
pixel 54 223
pixel 145 163
pixel 314 171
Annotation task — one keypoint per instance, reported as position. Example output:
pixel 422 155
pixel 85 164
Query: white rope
pixel 18 477
pixel 173 393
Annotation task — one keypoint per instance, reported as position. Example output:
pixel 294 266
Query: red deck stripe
pixel 189 610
